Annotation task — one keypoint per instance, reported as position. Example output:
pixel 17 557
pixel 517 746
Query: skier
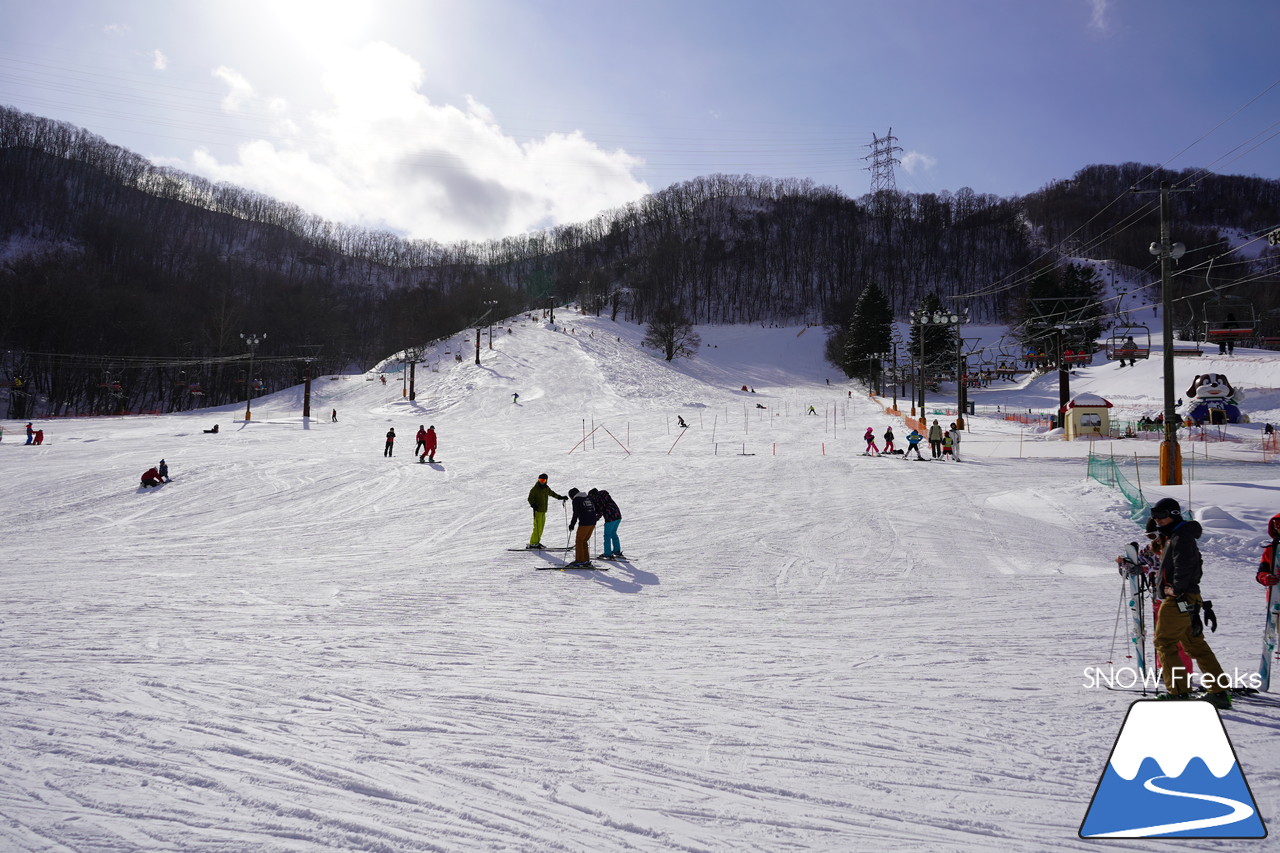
pixel 421 440
pixel 151 477
pixel 870 437
pixel 31 434
pixel 585 515
pixel 954 434
pixel 538 501
pixel 913 443
pixel 163 470
pixel 515 397
pixel 612 518
pixel 1179 621
pixel 888 439
pixel 1268 574
pixel 391 442
pixel 935 439
pixel 812 411
pixel 1128 350
pixel 333 418
pixel 429 445
pixel 946 445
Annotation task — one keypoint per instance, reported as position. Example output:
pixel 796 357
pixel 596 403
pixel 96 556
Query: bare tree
pixel 672 334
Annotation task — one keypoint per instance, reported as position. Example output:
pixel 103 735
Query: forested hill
pixel 103 252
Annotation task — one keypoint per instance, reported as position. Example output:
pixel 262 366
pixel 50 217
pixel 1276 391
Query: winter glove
pixel 1209 618
pixel 1267 579
pixel 571 525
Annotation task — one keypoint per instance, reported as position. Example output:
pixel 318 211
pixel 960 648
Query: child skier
pixel 888 440
pixel 913 443
pixel 946 445
pixel 870 436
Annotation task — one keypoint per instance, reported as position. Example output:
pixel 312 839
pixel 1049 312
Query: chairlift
pixel 1229 319
pixel 1128 343
pixel 1269 330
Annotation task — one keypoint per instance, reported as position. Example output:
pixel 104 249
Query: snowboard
pixel 1269 637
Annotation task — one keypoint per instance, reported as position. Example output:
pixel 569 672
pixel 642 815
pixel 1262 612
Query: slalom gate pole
pixel 677 441
pixel 580 443
pixel 620 444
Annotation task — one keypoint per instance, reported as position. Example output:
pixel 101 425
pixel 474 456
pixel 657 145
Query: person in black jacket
pixel 612 518
pixel 585 516
pixel 1179 621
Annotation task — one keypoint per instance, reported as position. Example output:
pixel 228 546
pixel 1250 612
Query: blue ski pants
pixel 611 543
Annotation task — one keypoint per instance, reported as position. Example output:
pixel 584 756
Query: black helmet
pixel 1166 508
pixel 573 493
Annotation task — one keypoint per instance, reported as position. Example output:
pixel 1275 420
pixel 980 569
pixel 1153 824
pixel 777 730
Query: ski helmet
pixel 1166 508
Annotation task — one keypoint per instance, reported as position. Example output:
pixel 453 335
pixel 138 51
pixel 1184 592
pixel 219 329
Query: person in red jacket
pixel 1267 573
pixel 420 439
pixel 151 478
pixel 429 444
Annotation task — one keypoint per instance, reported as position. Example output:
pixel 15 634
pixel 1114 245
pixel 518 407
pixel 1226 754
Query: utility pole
pixel 1170 452
pixel 252 342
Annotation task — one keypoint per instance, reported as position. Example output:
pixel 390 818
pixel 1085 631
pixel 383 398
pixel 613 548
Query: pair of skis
pixel 590 567
pixel 1135 574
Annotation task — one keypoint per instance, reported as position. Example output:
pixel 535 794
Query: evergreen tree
pixel 1062 301
pixel 870 333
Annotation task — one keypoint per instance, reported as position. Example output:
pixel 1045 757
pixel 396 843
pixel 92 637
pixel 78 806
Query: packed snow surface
pixel 302 645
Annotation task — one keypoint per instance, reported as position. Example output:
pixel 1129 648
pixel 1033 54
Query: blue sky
pixel 484 118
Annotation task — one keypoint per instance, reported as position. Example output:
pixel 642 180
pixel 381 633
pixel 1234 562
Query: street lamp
pixel 251 341
pixel 921 318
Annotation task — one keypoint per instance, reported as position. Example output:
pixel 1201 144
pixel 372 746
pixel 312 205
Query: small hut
pixel 1086 416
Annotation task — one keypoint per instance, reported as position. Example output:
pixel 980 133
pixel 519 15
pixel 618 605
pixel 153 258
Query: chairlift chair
pixel 1229 318
pixel 1120 348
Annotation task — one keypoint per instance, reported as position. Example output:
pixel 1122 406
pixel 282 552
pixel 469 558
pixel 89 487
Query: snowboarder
pixel 214 430
pixel 429 445
pixel 612 518
pixel 163 470
pixel 888 439
pixel 913 443
pixel 391 442
pixel 151 477
pixel 680 421
pixel 333 418
pixel 870 437
pixel 421 440
pixel 954 434
pixel 538 501
pixel 1179 621
pixel 935 439
pixel 585 515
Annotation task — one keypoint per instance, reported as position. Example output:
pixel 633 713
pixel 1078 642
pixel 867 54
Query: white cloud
pixel 382 155
pixel 239 91
pixel 159 61
pixel 1100 15
pixel 915 161
pixel 115 29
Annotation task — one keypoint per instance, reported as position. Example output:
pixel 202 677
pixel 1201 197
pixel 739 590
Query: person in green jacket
pixel 538 500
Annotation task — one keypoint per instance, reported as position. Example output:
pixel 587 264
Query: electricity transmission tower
pixel 882 160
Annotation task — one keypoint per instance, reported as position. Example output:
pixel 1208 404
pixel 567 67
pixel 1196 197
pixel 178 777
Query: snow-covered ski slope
pixel 301 645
